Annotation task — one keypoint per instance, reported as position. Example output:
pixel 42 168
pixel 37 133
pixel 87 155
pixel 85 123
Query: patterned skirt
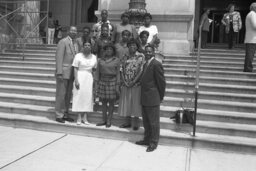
pixel 107 88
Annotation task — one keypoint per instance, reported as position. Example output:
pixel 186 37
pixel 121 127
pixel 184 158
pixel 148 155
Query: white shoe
pixel 79 119
pixel 84 120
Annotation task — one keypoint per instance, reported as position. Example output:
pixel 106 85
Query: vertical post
pixel 197 78
pixel 47 18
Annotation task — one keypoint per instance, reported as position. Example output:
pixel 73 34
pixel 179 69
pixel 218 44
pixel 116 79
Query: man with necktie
pixel 66 50
pixel 152 93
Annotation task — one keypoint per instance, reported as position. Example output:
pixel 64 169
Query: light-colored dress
pixel 83 98
pixel 152 29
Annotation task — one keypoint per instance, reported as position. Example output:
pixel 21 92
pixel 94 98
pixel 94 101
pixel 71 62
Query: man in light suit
pixel 152 93
pixel 65 53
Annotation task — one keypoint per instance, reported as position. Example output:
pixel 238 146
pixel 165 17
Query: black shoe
pixel 108 125
pixel 68 119
pixel 126 126
pixel 142 142
pixel 151 148
pixel 60 120
pixel 101 124
pixel 135 128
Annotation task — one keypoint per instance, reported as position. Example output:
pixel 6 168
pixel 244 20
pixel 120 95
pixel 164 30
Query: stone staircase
pixel 226 104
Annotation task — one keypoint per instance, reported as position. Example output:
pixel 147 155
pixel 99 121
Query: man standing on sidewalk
pixel 65 53
pixel 152 93
pixel 250 38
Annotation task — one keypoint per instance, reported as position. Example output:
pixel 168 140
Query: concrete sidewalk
pixel 29 150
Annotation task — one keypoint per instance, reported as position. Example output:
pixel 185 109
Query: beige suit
pixel 65 53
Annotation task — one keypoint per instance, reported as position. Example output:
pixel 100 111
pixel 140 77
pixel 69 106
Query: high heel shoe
pixel 79 119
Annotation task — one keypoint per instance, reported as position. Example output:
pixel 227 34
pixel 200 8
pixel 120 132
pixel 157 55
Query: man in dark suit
pixel 66 50
pixel 152 93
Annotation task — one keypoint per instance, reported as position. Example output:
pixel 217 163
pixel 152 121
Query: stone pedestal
pixel 174 19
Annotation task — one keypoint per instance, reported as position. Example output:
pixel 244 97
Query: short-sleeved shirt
pixel 152 29
pixel 109 66
pixel 85 63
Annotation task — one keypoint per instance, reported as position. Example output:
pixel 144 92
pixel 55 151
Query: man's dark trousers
pixel 151 123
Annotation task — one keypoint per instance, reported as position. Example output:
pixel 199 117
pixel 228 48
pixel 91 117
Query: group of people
pixel 233 23
pixel 117 64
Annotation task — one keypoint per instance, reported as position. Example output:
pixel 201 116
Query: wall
pixel 61 10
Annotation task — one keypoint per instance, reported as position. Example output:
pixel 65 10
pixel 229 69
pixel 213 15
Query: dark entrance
pixel 218 8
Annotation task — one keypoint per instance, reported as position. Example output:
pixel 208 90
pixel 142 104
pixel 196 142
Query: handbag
pixel 184 116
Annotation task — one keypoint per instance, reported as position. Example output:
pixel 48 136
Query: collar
pixel 149 61
pixel 69 38
pixel 100 22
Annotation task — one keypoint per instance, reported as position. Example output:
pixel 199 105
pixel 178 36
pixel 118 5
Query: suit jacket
pixel 64 58
pixel 152 84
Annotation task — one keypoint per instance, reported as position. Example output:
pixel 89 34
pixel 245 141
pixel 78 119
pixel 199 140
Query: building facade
pixel 177 20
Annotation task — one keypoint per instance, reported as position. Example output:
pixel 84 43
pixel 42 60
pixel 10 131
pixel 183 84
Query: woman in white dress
pixel 83 64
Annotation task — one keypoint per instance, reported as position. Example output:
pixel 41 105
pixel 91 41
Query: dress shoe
pixel 151 148
pixel 101 124
pixel 85 122
pixel 68 119
pixel 126 126
pixel 108 125
pixel 142 142
pixel 60 120
pixel 135 128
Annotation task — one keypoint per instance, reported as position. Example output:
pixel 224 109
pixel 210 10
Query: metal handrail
pixel 197 78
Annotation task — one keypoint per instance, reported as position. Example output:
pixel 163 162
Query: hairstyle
pixel 87 27
pixel 147 15
pixel 104 10
pixel 230 5
pixel 126 31
pixel 87 41
pixel 151 46
pixel 253 6
pixel 125 14
pixel 133 41
pixel 111 45
pixel 72 27
pixel 144 32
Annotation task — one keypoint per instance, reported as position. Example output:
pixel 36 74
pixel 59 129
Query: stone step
pixel 212 87
pixel 25 63
pixel 167 137
pixel 203 67
pixel 29 59
pixel 205 58
pixel 27 99
pixel 210 73
pixel 214 80
pixel 28 82
pixel 206 62
pixel 211 104
pixel 27 90
pixel 41 45
pixel 20 75
pixel 26 109
pixel 221 53
pixel 28 54
pixel 45 51
pixel 226 116
pixel 27 69
pixel 211 127
pixel 222 50
pixel 235 97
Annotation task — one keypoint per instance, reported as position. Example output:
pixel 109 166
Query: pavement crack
pixel 33 151
pixel 111 154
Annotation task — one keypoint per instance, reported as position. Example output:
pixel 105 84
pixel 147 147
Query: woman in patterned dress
pixel 108 80
pixel 131 71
